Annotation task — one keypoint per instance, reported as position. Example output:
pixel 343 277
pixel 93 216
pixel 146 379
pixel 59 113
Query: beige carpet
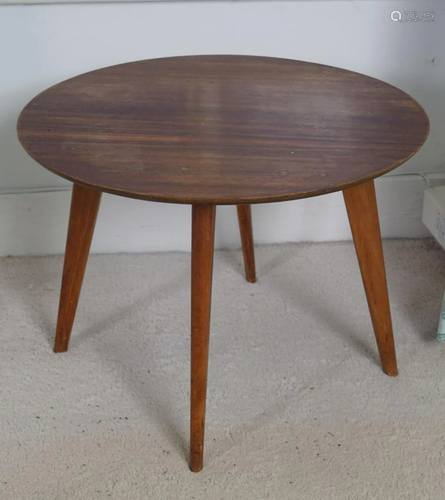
pixel 298 407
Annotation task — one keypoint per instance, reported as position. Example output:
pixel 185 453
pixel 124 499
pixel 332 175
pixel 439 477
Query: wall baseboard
pixel 36 223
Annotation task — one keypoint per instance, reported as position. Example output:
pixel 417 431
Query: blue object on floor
pixel 441 329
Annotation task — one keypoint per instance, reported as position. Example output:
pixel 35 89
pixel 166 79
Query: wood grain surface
pixel 83 214
pixel 221 129
pixel 247 242
pixel 203 237
pixel 361 205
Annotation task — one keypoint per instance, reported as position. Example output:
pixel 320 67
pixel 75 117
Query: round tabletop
pixel 221 129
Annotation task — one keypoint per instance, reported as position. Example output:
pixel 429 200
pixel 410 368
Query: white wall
pixel 44 44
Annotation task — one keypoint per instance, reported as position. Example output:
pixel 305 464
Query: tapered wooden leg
pixel 203 231
pixel 84 208
pixel 245 227
pixel 363 216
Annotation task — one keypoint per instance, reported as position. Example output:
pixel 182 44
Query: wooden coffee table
pixel 223 130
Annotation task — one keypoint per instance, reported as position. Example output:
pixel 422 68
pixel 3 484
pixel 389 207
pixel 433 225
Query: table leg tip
pixel 391 372
pixel 60 348
pixel 195 467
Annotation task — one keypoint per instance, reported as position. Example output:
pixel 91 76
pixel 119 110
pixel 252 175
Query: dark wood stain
pixel 221 129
